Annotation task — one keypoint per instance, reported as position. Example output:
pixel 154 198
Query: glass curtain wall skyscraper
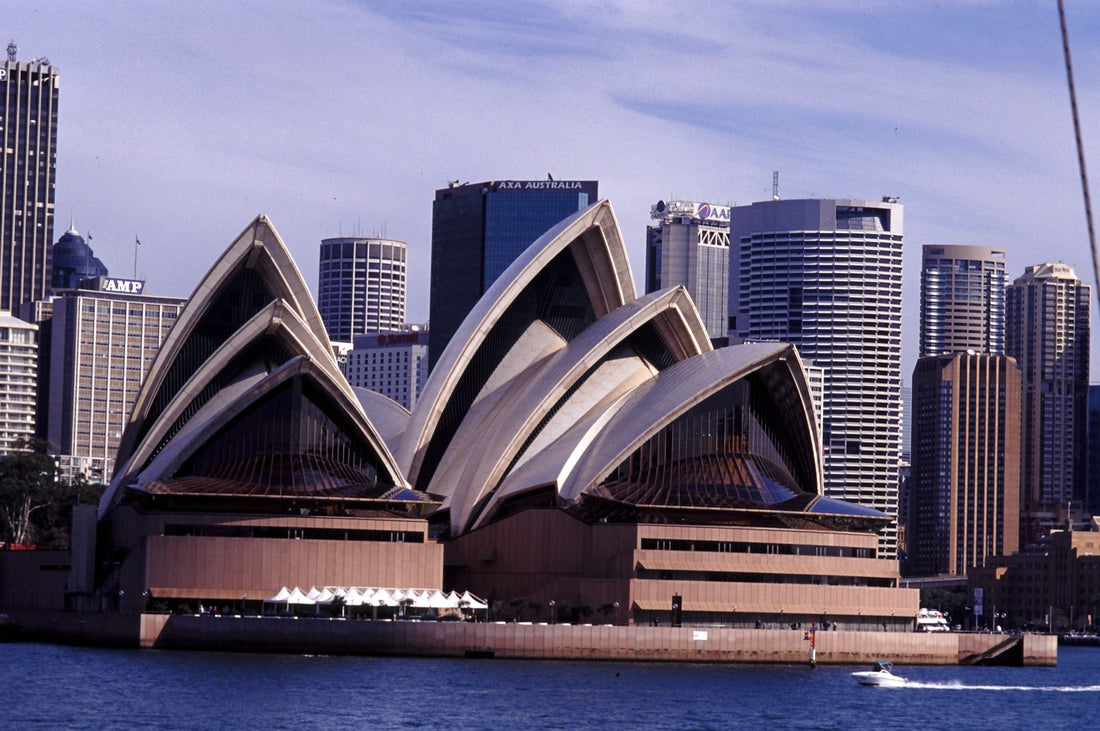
pixel 965 484
pixel 1048 335
pixel 964 488
pixel 826 276
pixel 28 161
pixel 962 295
pixel 478 230
pixel 361 287
pixel 689 244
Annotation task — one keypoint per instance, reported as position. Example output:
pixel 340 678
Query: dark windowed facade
pixel 28 159
pixel 478 230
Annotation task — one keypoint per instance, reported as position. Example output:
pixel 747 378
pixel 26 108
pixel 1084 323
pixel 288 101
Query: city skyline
pixel 178 123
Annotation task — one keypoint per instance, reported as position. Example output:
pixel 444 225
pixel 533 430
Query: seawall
pixel 506 640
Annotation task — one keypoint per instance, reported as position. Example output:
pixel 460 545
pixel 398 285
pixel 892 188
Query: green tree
pixel 28 485
pixel 53 524
pixel 35 506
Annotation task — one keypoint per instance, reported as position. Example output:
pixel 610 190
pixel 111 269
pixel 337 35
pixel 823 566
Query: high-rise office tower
pixel 103 344
pixel 1048 335
pixel 361 287
pixel 826 276
pixel 1093 508
pixel 74 261
pixel 28 151
pixel 18 372
pixel 394 364
pixel 964 489
pixel 906 424
pixel 962 295
pixel 478 230
pixel 689 244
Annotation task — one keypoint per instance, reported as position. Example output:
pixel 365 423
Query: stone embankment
pixel 524 640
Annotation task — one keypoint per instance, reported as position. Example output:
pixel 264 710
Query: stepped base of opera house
pixel 506 640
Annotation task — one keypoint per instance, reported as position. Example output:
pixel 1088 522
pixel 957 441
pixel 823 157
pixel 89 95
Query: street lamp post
pixel 551 611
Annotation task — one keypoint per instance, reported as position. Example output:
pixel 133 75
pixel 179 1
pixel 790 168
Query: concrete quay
pixel 521 641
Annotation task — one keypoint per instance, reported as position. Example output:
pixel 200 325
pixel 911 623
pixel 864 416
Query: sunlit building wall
pixel 689 244
pixel 18 373
pixel 964 490
pixel 962 300
pixel 825 275
pixel 1048 335
pixel 361 286
pixel 394 364
pixel 102 345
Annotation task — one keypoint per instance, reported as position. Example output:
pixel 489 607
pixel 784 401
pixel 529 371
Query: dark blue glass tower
pixel 478 230
pixel 73 262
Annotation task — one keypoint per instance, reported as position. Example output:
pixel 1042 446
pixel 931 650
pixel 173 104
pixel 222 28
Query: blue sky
pixel 179 122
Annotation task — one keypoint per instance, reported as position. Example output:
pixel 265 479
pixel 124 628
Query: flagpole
pixel 137 242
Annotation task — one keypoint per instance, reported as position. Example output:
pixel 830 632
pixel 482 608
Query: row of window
pixel 293 533
pixel 778 549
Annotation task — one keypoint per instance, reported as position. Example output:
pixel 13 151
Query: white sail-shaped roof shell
pixel 187 395
pixel 592 237
pixel 538 403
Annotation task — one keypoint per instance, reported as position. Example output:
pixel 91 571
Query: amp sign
pixel 122 286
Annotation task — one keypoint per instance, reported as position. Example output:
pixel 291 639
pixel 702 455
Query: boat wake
pixel 1033 688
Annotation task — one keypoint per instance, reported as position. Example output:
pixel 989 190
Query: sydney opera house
pixel 578 449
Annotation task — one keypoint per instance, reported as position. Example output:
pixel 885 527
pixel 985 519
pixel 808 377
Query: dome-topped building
pixel 74 261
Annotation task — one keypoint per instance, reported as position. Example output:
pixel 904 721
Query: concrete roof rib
pixel 258 247
pixel 657 404
pixel 208 421
pixel 593 238
pixel 588 452
pixel 475 472
pixel 289 315
pixel 277 319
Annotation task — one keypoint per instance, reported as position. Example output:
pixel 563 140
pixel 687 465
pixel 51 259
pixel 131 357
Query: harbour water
pixel 50 686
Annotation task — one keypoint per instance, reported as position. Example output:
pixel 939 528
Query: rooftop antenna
pixel 775 185
pixel 12 50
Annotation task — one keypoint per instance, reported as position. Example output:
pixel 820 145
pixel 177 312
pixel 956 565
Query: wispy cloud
pixel 182 121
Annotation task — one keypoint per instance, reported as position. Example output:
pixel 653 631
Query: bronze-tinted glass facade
pixel 965 486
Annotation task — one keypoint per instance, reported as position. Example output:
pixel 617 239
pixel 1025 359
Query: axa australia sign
pixel 527 185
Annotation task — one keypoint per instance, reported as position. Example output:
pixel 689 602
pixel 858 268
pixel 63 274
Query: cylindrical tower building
pixel 361 287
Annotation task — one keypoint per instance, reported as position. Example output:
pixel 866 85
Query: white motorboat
pixel 881 674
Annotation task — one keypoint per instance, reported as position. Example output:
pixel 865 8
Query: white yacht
pixel 881 674
pixel 932 620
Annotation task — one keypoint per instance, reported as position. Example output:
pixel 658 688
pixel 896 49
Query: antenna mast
pixel 775 185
